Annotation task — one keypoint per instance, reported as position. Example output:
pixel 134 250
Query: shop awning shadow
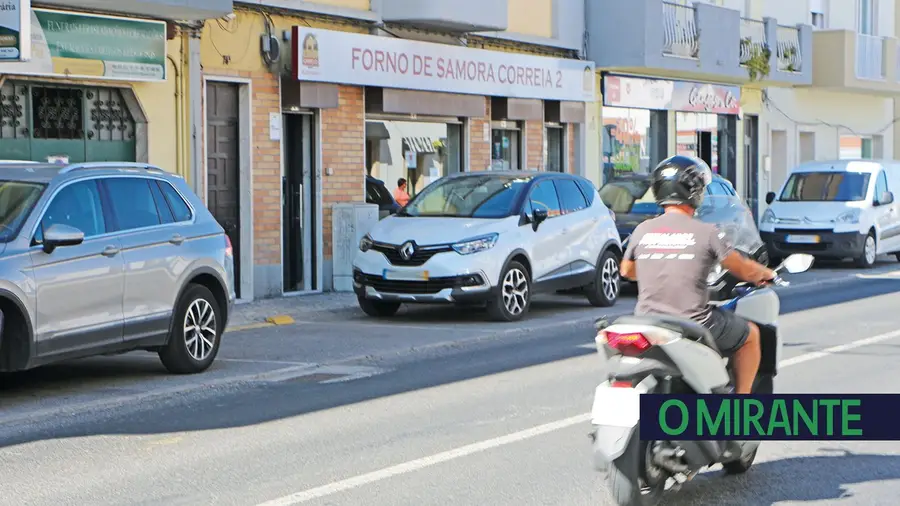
pixel 825 477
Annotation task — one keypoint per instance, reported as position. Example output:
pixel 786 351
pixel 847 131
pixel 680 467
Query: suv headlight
pixel 769 217
pixel 366 243
pixel 849 217
pixel 476 244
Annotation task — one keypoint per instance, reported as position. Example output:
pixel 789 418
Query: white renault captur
pixel 491 238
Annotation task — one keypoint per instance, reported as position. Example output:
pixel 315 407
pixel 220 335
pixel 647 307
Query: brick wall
pixel 534 145
pixel 343 151
pixel 266 172
pixel 479 148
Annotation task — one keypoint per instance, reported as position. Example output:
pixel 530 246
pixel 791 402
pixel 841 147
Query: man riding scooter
pixel 671 255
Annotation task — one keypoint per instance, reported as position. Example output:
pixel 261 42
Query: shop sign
pixel 91 46
pixel 661 94
pixel 15 30
pixel 369 60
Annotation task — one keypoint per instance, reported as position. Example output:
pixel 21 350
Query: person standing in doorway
pixel 400 194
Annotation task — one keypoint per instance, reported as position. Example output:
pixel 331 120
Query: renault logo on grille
pixel 407 250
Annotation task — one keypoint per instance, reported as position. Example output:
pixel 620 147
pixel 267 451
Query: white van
pixel 835 209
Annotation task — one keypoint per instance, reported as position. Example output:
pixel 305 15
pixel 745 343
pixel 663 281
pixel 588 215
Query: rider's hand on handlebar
pixel 768 277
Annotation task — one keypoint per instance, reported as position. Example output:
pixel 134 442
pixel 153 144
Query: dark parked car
pixel 632 200
pixel 377 193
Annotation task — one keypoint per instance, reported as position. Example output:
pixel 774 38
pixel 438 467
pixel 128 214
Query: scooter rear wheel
pixel 627 477
pixel 741 465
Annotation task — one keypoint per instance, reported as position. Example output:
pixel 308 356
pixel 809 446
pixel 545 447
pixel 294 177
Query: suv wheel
pixel 196 331
pixel 378 308
pixel 604 291
pixel 514 295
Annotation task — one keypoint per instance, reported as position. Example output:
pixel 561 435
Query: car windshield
pixel 629 197
pixel 488 196
pixel 17 198
pixel 825 187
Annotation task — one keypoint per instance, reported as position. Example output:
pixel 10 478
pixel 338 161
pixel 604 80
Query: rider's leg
pixel 746 361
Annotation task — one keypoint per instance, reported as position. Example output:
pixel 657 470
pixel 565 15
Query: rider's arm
pixel 746 269
pixel 626 266
pixel 627 270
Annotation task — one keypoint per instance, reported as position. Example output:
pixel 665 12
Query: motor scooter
pixel 662 355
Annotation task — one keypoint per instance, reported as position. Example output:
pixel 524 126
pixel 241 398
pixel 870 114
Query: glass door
pixel 505 150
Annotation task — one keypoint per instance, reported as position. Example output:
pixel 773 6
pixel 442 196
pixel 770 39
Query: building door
pixel 73 123
pixel 299 196
pixel 223 165
pixel 751 164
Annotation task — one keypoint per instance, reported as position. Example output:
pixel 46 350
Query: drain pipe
pixel 178 141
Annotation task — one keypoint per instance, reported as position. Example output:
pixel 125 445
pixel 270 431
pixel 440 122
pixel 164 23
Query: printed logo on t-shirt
pixel 665 246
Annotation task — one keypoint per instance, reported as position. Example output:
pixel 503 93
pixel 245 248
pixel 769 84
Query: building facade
pixel 303 100
pixel 106 81
pixel 689 77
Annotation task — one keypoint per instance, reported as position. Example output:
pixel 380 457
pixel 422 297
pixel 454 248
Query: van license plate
pixel 803 239
pixel 405 275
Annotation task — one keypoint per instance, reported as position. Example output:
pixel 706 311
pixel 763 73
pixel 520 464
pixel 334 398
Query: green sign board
pixel 92 46
pixel 14 35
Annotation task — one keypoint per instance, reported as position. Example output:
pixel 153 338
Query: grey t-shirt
pixel 674 253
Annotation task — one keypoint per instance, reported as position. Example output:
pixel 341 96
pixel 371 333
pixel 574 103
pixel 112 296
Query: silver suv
pixel 105 258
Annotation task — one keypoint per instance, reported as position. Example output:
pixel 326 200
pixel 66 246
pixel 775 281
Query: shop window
pixel 855 146
pixel 555 148
pixel 710 137
pixel 634 140
pixel 505 150
pixel 418 151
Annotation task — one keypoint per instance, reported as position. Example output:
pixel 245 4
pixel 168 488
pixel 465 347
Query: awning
pixel 419 144
pixel 376 130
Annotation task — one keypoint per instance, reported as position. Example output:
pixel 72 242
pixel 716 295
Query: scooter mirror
pixel 798 262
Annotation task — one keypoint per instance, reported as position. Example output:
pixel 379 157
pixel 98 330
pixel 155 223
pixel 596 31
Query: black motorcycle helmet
pixel 679 180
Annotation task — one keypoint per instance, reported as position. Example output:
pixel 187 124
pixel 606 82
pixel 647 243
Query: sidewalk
pixel 300 307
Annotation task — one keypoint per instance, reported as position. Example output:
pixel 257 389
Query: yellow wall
pixel 158 102
pixel 531 17
pixel 348 4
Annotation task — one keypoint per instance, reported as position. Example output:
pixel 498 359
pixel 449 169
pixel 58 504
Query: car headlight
pixel 476 244
pixel 849 217
pixel 769 217
pixel 366 243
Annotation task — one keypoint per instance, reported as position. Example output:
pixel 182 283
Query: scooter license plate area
pixel 616 406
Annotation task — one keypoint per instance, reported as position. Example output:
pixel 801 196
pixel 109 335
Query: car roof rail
pixel 109 165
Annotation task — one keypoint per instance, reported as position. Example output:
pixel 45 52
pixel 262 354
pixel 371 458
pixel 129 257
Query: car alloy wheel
pixel 515 291
pixel 200 329
pixel 609 278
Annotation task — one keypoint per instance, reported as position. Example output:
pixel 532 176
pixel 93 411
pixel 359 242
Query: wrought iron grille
pixel 57 112
pixel 13 122
pixel 110 119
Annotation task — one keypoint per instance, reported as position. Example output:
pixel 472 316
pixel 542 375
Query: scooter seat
pixel 684 326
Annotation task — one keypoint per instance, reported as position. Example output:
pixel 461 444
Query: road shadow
pixel 831 295
pixel 794 479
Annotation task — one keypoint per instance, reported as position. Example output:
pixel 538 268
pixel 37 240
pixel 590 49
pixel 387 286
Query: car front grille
pixel 433 285
pixel 421 254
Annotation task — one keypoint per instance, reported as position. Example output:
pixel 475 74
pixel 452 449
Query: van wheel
pixel 378 308
pixel 604 291
pixel 867 259
pixel 513 295
pixel 196 331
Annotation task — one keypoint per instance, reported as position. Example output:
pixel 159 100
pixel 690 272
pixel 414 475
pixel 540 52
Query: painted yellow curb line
pixel 270 322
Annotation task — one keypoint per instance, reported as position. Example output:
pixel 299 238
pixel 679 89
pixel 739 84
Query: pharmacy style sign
pixel 15 30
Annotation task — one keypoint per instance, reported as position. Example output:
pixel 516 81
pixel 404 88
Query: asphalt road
pixel 469 416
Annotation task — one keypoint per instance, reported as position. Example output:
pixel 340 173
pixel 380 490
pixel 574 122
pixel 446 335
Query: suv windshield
pixel 17 198
pixel 825 187
pixel 488 196
pixel 629 197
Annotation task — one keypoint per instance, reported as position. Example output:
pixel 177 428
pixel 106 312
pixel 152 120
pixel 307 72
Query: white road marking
pixel 489 444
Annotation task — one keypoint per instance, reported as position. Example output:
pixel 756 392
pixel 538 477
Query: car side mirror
pixel 770 197
pixel 886 198
pixel 538 216
pixel 61 235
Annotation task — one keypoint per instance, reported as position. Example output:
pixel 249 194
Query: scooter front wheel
pixel 631 481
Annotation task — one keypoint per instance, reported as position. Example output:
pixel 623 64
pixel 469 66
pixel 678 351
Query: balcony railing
pixel 788 49
pixel 680 36
pixel 869 57
pixel 753 39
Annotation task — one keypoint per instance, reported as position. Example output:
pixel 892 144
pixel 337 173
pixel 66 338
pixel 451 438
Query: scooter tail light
pixel 629 344
pixel 622 384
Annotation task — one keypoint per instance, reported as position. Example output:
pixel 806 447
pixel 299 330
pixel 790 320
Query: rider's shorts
pixel 729 330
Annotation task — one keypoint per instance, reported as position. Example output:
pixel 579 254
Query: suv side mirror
pixel 886 198
pixel 770 197
pixel 61 235
pixel 538 216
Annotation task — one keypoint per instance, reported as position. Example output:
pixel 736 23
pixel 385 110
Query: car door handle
pixel 110 251
pixel 177 239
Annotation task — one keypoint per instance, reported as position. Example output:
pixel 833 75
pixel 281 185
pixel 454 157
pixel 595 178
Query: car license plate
pixel 803 239
pixel 405 275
